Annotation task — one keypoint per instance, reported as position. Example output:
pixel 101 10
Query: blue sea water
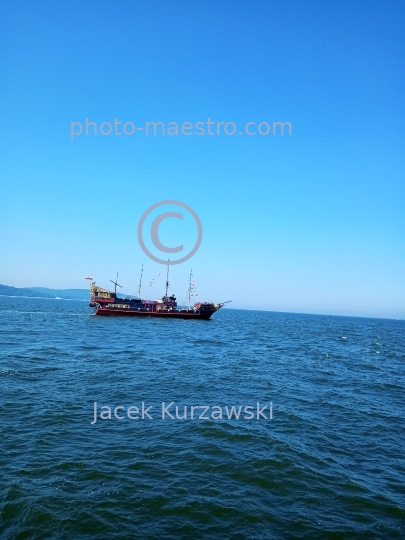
pixel 329 464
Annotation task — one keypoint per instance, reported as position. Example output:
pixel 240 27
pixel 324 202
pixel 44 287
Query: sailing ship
pixel 107 303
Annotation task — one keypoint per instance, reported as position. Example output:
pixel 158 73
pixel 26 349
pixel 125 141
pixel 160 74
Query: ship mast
pixel 115 283
pixel 167 279
pixel 140 283
pixel 189 288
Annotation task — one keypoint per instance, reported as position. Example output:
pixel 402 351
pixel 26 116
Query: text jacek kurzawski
pixel 171 411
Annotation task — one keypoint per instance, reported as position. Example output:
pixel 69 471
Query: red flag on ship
pixel 89 278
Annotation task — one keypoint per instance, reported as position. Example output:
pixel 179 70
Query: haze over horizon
pixel 311 222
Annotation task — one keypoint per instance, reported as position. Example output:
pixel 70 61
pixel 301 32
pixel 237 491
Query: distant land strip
pixel 43 292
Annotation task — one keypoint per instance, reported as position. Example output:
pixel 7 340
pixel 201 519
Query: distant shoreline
pixel 44 292
pixel 43 297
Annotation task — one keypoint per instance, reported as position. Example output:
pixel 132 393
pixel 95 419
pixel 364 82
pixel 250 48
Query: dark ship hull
pixel 175 314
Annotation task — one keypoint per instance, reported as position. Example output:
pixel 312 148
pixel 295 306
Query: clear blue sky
pixel 312 222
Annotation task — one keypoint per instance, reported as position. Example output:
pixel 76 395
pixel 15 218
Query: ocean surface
pixel 329 464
